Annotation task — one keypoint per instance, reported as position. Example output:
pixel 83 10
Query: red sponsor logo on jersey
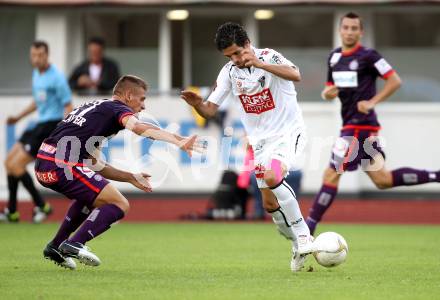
pixel 257 103
pixel 47 177
pixel 265 52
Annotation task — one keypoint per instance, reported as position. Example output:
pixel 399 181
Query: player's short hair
pixel 352 15
pixel 229 34
pixel 98 41
pixel 41 44
pixel 128 82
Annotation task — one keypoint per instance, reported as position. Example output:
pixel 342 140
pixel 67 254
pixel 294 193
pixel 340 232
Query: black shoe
pixel 80 252
pixel 53 254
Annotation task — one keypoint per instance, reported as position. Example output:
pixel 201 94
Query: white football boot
pixel 305 247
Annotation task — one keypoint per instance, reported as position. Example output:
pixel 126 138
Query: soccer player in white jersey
pixel 261 83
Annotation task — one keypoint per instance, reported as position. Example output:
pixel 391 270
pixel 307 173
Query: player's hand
pixel 190 144
pixel 191 98
pixel 142 182
pixel 250 60
pixel 12 120
pixel 330 92
pixel 365 106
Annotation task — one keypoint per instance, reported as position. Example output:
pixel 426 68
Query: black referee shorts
pixel 32 138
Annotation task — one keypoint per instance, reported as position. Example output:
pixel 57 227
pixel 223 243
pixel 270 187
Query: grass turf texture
pixel 222 261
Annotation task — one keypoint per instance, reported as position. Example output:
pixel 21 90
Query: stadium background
pixel 172 54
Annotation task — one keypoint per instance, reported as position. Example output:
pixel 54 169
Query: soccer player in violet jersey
pixel 352 73
pixel 261 84
pixel 67 163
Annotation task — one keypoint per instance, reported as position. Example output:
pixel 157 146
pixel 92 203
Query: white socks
pixel 288 217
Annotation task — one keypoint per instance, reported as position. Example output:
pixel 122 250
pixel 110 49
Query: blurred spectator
pixel 96 75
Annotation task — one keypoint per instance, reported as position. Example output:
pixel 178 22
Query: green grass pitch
pixel 222 261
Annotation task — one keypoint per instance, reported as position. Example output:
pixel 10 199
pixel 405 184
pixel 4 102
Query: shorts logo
pixel 257 103
pixel 86 171
pixel 47 177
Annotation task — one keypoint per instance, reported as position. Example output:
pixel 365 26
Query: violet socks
pixel 409 176
pixel 322 202
pixel 99 220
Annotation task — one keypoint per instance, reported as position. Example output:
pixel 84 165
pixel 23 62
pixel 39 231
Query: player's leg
pixel 17 167
pixel 280 201
pixel 110 206
pixel 48 169
pixel 12 158
pixel 42 209
pixel 324 198
pixel 384 179
pixel 75 216
pixel 344 157
pixel 283 205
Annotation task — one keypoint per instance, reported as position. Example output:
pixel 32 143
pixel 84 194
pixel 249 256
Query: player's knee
pixel 124 205
pixel 331 177
pixel 271 179
pixel 270 206
pixel 8 165
pixel 14 169
pixel 382 183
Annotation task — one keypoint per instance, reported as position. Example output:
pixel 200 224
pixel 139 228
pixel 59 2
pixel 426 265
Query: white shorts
pixel 286 148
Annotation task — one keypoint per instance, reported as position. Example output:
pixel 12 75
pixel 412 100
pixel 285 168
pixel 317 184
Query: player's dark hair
pixel 98 41
pixel 41 44
pixel 229 34
pixel 128 81
pixel 352 15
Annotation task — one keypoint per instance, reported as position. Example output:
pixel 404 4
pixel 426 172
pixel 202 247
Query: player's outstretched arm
pixel 187 144
pixel 391 85
pixel 140 180
pixel 27 111
pixel 206 109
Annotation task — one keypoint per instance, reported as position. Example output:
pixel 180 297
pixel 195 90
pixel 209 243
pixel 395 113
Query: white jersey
pixel 268 103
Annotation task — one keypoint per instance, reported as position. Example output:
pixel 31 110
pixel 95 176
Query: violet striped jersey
pixel 87 126
pixel 267 103
pixel 354 73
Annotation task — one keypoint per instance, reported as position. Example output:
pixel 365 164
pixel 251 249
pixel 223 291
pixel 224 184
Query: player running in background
pixel 261 84
pixel 66 163
pixel 352 73
pixel 52 101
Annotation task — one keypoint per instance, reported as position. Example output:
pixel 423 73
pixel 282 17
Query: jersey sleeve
pixel 380 65
pixel 222 87
pixel 120 111
pixel 273 57
pixel 64 94
pixel 330 81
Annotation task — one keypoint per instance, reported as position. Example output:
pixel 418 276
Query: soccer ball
pixel 332 249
